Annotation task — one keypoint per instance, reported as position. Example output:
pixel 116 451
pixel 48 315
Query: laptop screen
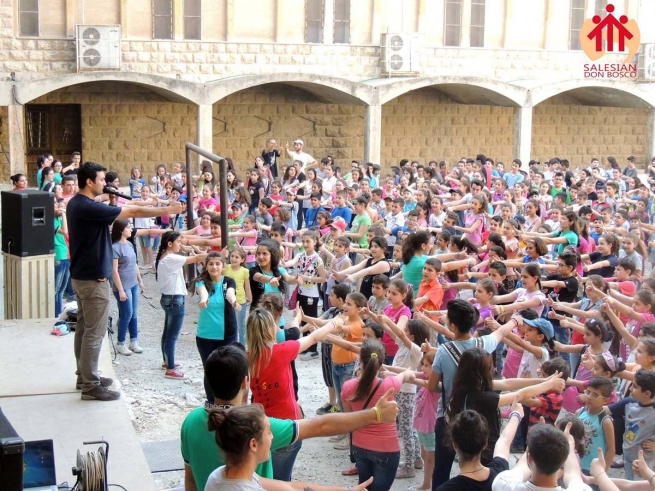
pixel 39 464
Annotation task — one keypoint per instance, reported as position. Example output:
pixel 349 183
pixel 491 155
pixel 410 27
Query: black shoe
pixel 104 382
pixel 100 393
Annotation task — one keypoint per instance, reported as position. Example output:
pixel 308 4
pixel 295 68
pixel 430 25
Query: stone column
pixel 523 135
pixel 328 22
pixel 178 20
pixel 16 136
pixel 373 134
pixel 204 129
pixel 650 142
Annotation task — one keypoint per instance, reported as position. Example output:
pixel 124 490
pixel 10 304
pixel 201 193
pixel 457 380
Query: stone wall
pixel 243 122
pixel 425 125
pixel 5 172
pixel 124 125
pixel 562 127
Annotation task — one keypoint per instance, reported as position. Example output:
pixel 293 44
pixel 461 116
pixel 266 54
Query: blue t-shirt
pixel 310 216
pixel 444 364
pixel 268 288
pixel 217 321
pixel 345 213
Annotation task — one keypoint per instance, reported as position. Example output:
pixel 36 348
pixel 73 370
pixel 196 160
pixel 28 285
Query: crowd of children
pixel 561 324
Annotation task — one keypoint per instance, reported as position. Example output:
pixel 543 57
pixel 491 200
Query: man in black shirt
pixel 270 155
pixel 91 267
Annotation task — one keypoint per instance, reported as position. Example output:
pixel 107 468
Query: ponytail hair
pixel 371 358
pixel 170 236
pixel 234 428
pixel 406 289
pixel 599 329
pixel 413 243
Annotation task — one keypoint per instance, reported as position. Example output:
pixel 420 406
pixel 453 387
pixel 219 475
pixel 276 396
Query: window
pixel 28 15
pixel 192 24
pixel 453 20
pixel 162 19
pixel 342 21
pixel 577 19
pixel 477 23
pixel 599 8
pixel 314 21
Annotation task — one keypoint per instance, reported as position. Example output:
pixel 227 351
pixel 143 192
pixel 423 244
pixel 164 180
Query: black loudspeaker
pixel 28 223
pixel 12 448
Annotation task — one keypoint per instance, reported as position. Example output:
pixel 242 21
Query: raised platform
pixel 38 396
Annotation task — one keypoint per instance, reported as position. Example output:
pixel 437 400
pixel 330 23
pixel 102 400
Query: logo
pixel 599 36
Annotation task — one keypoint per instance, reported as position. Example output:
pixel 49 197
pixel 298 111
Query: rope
pixel 93 477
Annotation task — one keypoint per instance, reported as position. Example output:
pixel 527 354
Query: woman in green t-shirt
pixel 568 235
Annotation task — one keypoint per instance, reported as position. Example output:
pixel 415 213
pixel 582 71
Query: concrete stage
pixel 38 396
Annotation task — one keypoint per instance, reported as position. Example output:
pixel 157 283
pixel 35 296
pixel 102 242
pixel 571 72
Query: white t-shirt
pixel 530 363
pixel 218 482
pixel 304 157
pixel 512 480
pixel 170 275
pixel 407 358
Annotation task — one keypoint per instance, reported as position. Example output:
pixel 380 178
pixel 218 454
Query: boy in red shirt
pixel 548 404
pixel 430 291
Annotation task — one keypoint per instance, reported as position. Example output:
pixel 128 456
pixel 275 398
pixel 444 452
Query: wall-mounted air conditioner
pixel 400 54
pixel 98 47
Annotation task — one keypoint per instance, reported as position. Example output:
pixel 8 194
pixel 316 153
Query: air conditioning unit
pixel 646 63
pixel 98 47
pixel 400 54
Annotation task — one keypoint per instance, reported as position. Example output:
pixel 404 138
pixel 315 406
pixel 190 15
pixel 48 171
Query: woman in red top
pixel 271 377
pixel 375 447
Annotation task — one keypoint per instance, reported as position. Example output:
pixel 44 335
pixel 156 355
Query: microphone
pixel 115 192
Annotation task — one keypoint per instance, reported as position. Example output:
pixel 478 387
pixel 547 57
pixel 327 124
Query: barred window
pixel 477 23
pixel 342 21
pixel 162 19
pixel 453 23
pixel 314 21
pixel 577 19
pixel 192 23
pixel 28 17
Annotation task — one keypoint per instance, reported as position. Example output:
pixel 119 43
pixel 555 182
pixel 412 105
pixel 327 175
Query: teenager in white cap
pixel 298 154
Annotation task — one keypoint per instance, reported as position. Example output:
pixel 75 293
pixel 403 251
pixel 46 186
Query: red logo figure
pixel 610 22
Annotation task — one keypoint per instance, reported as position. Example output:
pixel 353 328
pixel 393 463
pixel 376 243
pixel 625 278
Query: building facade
pixel 499 77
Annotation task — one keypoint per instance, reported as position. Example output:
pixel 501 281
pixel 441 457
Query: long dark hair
pixel 117 229
pixel 413 243
pixel 371 358
pixel 170 236
pixel 234 428
pixel 204 276
pixel 274 250
pixel 473 375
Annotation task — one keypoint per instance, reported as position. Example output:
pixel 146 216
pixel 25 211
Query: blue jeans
pixel 127 314
pixel 62 274
pixel 242 317
pixel 284 459
pixel 341 373
pixel 381 465
pixel 69 291
pixel 173 306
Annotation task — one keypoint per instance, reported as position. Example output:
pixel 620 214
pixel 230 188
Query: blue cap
pixel 542 325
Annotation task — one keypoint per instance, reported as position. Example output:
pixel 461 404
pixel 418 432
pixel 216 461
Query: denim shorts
pixel 427 440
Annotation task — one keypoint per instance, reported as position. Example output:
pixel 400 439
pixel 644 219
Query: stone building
pixel 500 77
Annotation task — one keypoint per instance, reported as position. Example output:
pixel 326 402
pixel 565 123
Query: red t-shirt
pixel 390 346
pixel 381 437
pixel 273 386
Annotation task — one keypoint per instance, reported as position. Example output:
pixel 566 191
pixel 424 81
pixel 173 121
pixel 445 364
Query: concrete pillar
pixel 373 134
pixel 178 20
pixel 229 20
pixel 328 21
pixel 650 142
pixel 204 129
pixel 465 34
pixel 16 134
pixel 523 135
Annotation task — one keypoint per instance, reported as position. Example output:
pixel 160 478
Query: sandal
pixel 351 471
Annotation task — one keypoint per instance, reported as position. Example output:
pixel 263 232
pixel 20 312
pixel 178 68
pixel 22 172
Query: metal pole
pixel 191 268
pixel 222 177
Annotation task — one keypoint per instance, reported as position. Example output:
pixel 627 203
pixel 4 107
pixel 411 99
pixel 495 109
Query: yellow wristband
pixel 378 417
pixel 502 309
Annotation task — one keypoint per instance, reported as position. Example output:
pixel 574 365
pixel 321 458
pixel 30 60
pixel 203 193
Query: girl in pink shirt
pixel 375 447
pixel 247 239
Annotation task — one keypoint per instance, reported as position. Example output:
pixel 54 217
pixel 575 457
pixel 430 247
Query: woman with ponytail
pixel 169 274
pixel 243 433
pixel 375 447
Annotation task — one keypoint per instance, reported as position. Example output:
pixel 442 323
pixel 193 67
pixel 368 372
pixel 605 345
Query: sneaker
pixel 418 463
pixel 337 438
pixel 617 464
pixel 405 473
pixel 123 350
pixel 104 381
pixel 350 471
pixel 135 347
pixel 174 374
pixel 343 444
pixel 164 367
pixel 310 355
pixel 324 409
pixel 100 393
pixel 334 409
